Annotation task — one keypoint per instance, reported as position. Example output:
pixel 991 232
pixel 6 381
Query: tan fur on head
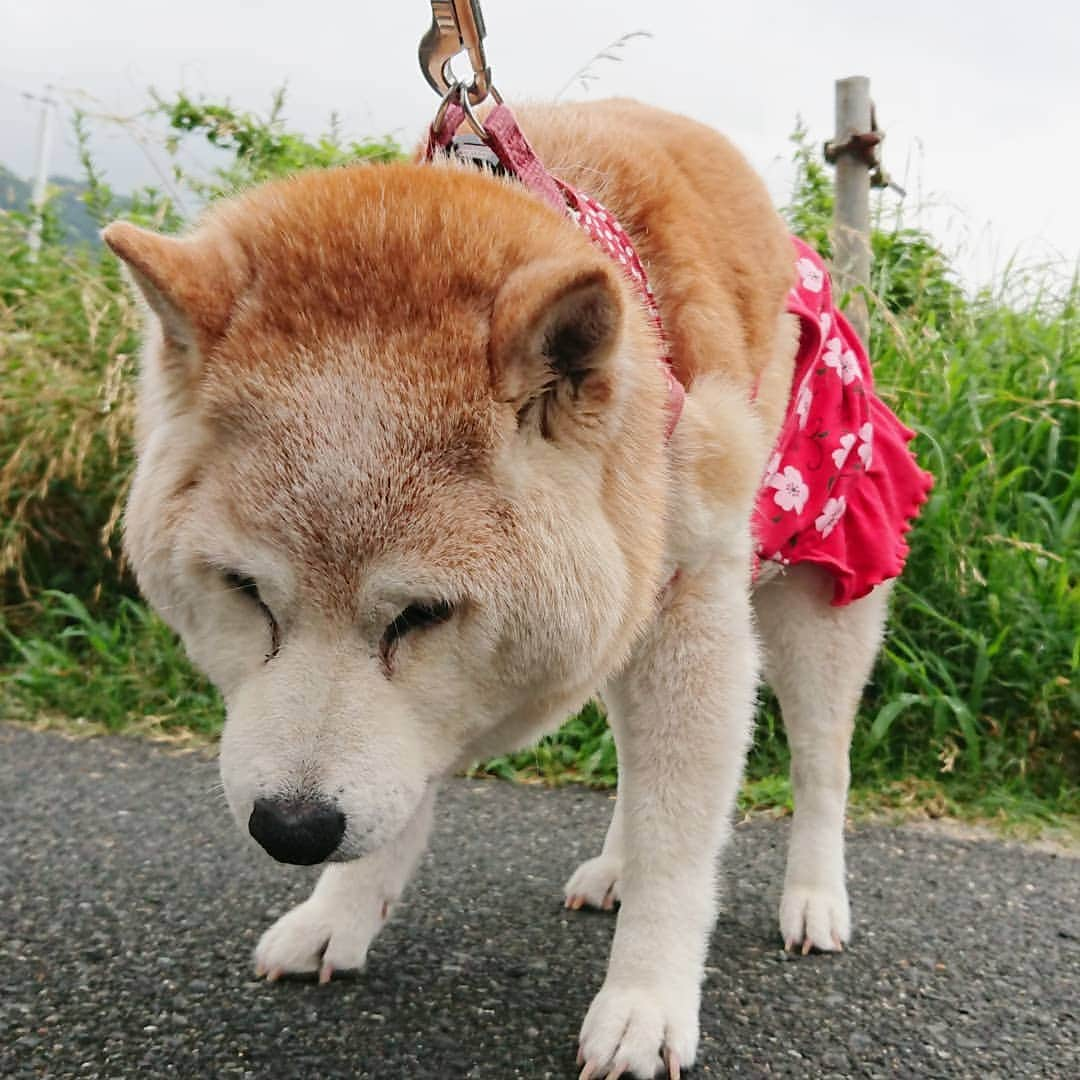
pixel 361 351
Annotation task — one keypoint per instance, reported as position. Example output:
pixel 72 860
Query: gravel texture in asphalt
pixel 130 904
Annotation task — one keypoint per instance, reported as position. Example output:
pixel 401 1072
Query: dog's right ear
pixel 191 285
pixel 554 332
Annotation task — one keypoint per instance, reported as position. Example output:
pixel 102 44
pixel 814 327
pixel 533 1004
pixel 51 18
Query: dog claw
pixel 575 903
pixel 260 971
pixel 274 974
pixel 580 1057
pixel 671 1060
pixel 791 945
pixel 587 1071
pixel 608 902
pixel 326 973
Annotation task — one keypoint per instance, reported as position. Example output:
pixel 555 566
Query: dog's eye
pixel 250 589
pixel 414 617
pixel 246 585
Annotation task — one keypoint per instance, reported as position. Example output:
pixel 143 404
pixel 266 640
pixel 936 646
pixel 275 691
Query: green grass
pixel 127 671
pixel 974 704
pixel 979 673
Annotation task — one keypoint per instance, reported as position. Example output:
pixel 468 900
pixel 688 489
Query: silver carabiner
pixel 456 26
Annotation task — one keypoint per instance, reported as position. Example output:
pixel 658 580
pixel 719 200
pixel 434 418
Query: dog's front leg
pixel 333 928
pixel 686 705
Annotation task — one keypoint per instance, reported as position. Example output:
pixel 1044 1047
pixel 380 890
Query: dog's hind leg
pixel 817 661
pixel 332 929
pixel 685 709
pixel 595 883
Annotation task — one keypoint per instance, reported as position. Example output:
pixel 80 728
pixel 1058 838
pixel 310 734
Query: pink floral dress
pixel 842 487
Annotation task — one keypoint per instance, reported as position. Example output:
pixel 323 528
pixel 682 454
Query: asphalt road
pixel 129 906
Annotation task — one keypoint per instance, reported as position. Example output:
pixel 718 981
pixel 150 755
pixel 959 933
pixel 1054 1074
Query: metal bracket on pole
pixel 866 147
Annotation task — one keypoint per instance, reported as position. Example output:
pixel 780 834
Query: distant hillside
pixel 79 226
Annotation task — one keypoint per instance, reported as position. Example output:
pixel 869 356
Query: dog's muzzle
pixel 299 831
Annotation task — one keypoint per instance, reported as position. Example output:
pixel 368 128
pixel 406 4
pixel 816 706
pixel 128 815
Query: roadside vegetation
pixel 974 705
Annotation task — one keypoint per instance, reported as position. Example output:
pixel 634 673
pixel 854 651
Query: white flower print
pixel 843 360
pixel 831 513
pixel 791 491
pixel 802 405
pixel 770 470
pixel 840 454
pixel 866 447
pixel 812 275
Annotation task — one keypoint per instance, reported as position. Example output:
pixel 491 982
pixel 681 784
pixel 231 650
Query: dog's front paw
pixel 815 917
pixel 639 1031
pixel 318 935
pixel 594 883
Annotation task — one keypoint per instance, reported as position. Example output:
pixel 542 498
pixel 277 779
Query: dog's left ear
pixel 189 283
pixel 555 330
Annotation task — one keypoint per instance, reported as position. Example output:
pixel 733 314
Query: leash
pixel 499 144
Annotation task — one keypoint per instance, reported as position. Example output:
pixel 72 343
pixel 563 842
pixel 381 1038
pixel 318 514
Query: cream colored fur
pixel 372 388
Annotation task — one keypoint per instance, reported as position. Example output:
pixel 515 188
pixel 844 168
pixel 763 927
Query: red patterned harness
pixel 842 487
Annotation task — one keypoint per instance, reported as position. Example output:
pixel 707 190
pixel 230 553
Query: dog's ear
pixel 554 333
pixel 191 285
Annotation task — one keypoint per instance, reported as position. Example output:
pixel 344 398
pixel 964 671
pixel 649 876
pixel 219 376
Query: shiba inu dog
pixel 404 489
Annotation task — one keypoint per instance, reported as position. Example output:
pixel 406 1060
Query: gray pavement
pixel 129 905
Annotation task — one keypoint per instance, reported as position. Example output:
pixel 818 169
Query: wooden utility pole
pixel 853 151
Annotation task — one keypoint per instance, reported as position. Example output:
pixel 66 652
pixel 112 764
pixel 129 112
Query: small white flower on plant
pixel 840 455
pixel 802 405
pixel 791 491
pixel 813 277
pixel 831 513
pixel 866 447
pixel 843 360
pixel 770 470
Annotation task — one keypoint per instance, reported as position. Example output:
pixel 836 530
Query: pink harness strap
pixel 507 140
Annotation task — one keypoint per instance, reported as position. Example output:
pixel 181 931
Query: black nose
pixel 300 831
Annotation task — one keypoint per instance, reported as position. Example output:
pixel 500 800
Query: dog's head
pixel 400 482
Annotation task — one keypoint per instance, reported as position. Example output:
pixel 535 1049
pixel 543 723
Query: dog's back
pixel 718 255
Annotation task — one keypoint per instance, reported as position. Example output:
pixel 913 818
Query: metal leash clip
pixel 457 26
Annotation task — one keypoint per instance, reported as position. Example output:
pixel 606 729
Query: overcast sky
pixel 980 100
